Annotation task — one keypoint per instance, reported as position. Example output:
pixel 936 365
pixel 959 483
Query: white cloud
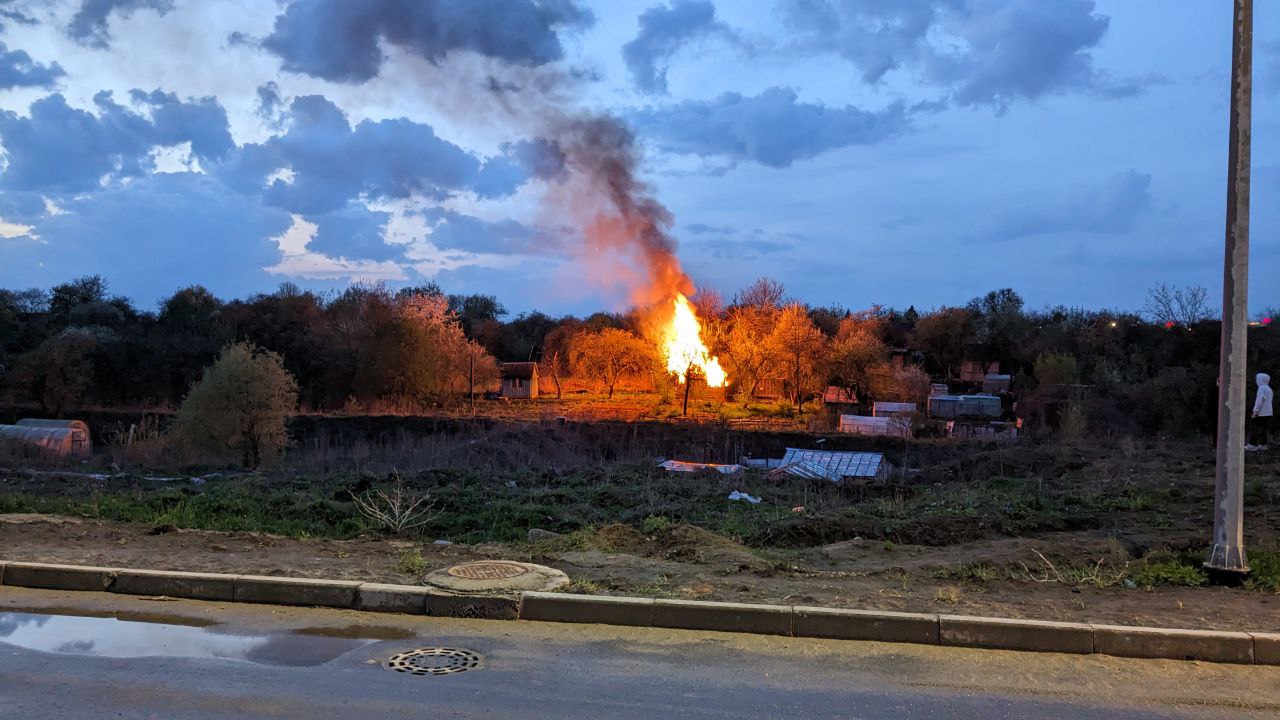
pixel 10 230
pixel 175 159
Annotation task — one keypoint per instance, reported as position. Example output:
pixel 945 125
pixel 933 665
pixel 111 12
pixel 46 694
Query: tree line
pixel 78 345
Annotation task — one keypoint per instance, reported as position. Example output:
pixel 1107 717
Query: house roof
pixel 837 395
pixel 519 370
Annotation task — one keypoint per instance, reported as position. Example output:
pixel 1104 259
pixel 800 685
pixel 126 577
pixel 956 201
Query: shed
pixel 893 409
pixel 520 380
pixel 879 426
pixel 995 383
pixel 835 466
pixel 61 441
pixel 950 407
pixel 975 371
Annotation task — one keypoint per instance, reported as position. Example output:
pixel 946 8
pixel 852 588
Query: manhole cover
pixel 487 570
pixel 435 661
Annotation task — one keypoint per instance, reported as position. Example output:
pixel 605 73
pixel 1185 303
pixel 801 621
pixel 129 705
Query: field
pixel 1108 531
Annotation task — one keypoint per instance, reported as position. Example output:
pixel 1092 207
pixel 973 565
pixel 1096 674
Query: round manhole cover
pixel 435 661
pixel 495 577
pixel 487 570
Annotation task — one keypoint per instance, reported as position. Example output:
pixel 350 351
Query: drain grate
pixel 435 661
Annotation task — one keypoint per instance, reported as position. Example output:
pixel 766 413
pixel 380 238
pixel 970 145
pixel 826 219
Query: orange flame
pixel 684 348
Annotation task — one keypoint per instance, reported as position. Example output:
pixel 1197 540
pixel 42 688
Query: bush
pixel 1169 572
pixel 239 408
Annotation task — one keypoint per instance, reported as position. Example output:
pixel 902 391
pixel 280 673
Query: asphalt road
pixel 150 659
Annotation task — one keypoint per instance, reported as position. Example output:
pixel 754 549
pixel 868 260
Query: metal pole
pixel 1228 554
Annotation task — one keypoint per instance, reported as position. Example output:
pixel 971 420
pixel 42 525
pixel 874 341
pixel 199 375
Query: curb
pixel 785 620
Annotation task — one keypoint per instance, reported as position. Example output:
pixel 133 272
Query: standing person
pixel 1262 414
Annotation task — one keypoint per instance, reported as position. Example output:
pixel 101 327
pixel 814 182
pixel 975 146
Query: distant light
pixel 1266 321
pixel 1169 324
pixel 1114 323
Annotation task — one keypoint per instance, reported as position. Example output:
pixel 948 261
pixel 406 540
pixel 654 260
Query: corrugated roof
pixel 831 464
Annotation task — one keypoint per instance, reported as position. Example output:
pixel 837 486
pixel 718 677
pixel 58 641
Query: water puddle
pixel 113 637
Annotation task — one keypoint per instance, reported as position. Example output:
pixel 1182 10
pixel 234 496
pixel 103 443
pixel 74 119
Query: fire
pixel 684 347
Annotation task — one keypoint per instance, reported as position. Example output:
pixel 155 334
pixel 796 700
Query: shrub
pixel 1169 572
pixel 239 408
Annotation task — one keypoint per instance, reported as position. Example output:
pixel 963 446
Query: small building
pixel 893 409
pixel 975 371
pixel 520 380
pixel 840 399
pixel 995 383
pixel 55 437
pixel 770 389
pixel 951 407
pixel 876 426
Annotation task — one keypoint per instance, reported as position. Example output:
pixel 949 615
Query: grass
pixel 1169 572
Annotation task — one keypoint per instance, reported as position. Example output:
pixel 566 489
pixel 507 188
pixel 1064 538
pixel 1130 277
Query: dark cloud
pixel 456 231
pixel 353 232
pixel 1113 207
pixel 152 235
pixel 17 69
pixel 333 163
pixel 664 30
pixel 771 128
pixel 61 149
pixel 340 40
pixel 10 11
pixel 270 104
pixel 987 52
pixel 89 25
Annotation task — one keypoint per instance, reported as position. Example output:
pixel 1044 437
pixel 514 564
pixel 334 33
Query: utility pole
pixel 471 383
pixel 1227 555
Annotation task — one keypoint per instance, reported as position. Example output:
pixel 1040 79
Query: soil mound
pixel 691 544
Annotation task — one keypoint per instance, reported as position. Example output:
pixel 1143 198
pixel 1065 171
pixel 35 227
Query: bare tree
pixel 763 293
pixel 1170 304
pixel 609 354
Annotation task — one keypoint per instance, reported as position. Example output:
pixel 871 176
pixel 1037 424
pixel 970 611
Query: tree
pixel 944 335
pixel 763 293
pixel 1001 324
pixel 1169 304
pixel 800 348
pixel 856 351
pixel 746 347
pixel 556 350
pixel 608 354
pixel 1056 369
pixel 59 373
pixel 239 407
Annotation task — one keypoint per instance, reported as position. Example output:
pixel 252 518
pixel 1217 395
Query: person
pixel 1262 414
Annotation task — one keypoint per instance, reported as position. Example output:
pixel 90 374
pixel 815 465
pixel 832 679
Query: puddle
pixel 112 637
pixel 374 632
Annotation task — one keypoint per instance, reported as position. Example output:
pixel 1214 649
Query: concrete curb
pixel 786 620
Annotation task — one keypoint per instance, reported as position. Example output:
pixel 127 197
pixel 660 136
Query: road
pixel 150 658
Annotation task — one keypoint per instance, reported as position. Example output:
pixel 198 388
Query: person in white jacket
pixel 1262 413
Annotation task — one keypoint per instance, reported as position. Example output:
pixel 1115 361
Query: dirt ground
pixel 681 562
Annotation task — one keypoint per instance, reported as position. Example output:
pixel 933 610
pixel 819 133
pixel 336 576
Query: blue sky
pixel 915 152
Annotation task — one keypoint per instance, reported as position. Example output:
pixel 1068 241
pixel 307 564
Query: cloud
pixel 340 40
pixel 986 52
pixel 9 10
pixel 61 149
pixel 17 69
pixel 89 25
pixel 354 232
pixel 456 231
pixel 1114 207
pixel 151 236
pixel 332 163
pixel 771 128
pixel 664 30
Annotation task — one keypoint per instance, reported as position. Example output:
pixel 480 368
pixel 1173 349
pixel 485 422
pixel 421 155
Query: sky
pixel 919 152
